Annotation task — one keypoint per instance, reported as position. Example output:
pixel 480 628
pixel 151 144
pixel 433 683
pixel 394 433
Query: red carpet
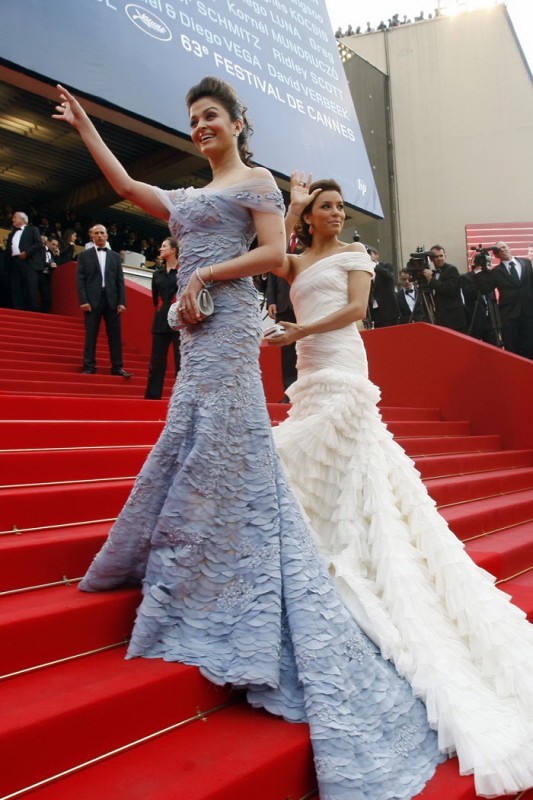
pixel 58 498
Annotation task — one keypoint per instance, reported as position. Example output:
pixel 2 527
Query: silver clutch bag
pixel 205 302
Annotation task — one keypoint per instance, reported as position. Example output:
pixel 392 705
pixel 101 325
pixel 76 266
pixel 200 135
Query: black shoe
pixel 88 371
pixel 122 373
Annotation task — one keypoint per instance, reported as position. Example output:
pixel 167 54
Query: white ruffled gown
pixel 406 579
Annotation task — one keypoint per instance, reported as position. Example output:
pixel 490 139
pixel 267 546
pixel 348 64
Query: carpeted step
pixel 49 555
pixel 521 590
pixel 447 491
pixel 445 445
pixel 84 395
pixel 75 384
pixel 481 516
pixel 45 322
pixel 504 553
pixel 24 407
pixel 69 433
pixel 14 335
pixel 47 466
pixel 59 622
pixel 447 784
pixel 32 407
pixel 52 376
pixel 403 428
pixel 69 344
pixel 236 753
pixel 51 351
pixel 409 413
pixel 92 705
pixel 62 363
pixel 62 503
pixel 467 463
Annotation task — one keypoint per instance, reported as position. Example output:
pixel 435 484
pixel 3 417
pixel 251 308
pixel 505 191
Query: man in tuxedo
pixel 445 283
pixel 407 296
pixel 382 303
pixel 513 278
pixel 101 291
pixel 25 262
pixel 44 276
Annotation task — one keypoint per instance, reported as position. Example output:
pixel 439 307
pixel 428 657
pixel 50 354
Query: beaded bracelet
pixel 200 277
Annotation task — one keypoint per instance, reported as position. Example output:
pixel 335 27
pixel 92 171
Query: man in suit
pixel 445 283
pixel 101 291
pixel 25 262
pixel 407 295
pixel 382 303
pixel 513 278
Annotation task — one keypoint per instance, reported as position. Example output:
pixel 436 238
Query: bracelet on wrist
pixel 200 277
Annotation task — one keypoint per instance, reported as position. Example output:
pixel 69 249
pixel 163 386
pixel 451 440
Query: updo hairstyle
pixel 227 97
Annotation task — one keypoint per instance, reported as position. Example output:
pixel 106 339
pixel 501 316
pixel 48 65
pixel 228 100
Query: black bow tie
pixel 408 291
pixel 102 249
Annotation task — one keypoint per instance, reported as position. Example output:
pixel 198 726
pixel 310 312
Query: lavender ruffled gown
pixel 232 580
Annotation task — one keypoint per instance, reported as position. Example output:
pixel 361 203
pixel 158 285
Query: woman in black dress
pixel 164 282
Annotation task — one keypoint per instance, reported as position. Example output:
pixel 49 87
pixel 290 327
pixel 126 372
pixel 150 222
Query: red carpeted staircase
pixel 70 446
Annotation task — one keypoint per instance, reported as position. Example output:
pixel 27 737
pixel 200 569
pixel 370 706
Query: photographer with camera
pixel 382 303
pixel 481 307
pixel 513 278
pixel 444 282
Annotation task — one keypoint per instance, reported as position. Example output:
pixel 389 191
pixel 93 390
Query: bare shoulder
pixel 261 173
pixel 354 247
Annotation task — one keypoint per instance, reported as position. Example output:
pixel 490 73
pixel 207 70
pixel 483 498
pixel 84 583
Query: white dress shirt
pixel 101 260
pixel 15 242
pixel 517 264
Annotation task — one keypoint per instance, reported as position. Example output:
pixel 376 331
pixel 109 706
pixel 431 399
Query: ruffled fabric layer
pixel 233 583
pixel 465 649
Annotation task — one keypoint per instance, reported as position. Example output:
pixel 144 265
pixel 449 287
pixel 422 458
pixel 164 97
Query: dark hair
pixel 173 242
pixel 66 235
pixel 327 185
pixel 437 247
pixel 227 96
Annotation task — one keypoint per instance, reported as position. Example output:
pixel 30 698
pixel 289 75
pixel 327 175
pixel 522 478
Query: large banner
pixel 280 55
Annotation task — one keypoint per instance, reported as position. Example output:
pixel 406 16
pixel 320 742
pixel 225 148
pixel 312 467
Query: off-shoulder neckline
pixel 233 186
pixel 326 258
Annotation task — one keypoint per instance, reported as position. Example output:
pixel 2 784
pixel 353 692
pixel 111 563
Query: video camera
pixel 418 262
pixel 483 257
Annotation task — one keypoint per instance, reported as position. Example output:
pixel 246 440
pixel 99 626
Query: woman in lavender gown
pixel 232 580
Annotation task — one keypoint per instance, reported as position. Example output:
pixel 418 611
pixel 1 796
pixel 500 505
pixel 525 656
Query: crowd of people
pixel 48 243
pixel 392 22
pixel 491 303
pixel 433 291
pixel 32 252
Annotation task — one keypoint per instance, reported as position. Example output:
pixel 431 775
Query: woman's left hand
pixel 293 332
pixel 188 311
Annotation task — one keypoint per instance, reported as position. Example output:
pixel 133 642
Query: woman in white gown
pixel 465 649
